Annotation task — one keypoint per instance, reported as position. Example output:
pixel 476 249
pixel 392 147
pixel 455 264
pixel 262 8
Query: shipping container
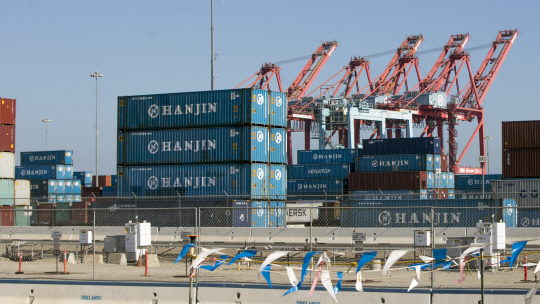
pixel 63 214
pixel 42 186
pixel 61 157
pixel 195 180
pixel 528 217
pixel 60 186
pixel 76 186
pixel 241 213
pixel 525 192
pixel 109 191
pixel 316 186
pixel 436 162
pixel 7 165
pixel 319 171
pixel 278 182
pixel 84 176
pixel 328 156
pixel 69 172
pixel 22 215
pixel 278 145
pixel 21 192
pixel 415 145
pixel 278 109
pixel 441 180
pixel 80 214
pixel 388 194
pixel 450 182
pixel 91 191
pixel 388 180
pixel 521 134
pixel 7 192
pixel 68 198
pixel 68 186
pixel 400 162
pixel 59 198
pixel 193 109
pixel 186 146
pixel 277 214
pixel 472 194
pixel 103 180
pixel 7 138
pixel 40 172
pixel 437 194
pixel 451 194
pixel 259 214
pixel 417 213
pixel 473 181
pixel 444 163
pixel 46 214
pixel 7 111
pixel 114 179
pixel 521 163
pixel 7 217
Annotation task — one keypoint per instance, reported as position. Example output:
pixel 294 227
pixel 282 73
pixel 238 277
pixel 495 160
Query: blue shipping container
pixel 316 186
pixel 60 186
pixel 259 214
pixel 185 146
pixel 472 194
pixel 401 162
pixel 114 179
pixel 278 145
pixel 69 172
pixel 470 181
pixel 68 186
pixel 278 109
pixel 40 172
pixel 388 194
pixel 62 157
pixel 319 171
pixel 241 214
pixel 451 182
pixel 84 176
pixel 193 109
pixel 328 156
pixel 109 191
pixel 414 145
pixel 416 213
pixel 42 186
pixel 278 182
pixel 278 214
pixel 76 183
pixel 430 180
pixel 436 161
pixel 195 180
pixel 451 194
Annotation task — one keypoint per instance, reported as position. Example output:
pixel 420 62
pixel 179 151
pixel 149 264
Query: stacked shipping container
pixel 521 149
pixel 215 143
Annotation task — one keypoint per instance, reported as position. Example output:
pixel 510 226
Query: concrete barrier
pixel 117 258
pixel 87 259
pixel 152 260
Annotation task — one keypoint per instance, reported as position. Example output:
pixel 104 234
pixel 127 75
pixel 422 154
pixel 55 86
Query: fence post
pixel 432 251
pixel 94 246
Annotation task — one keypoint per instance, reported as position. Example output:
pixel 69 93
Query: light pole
pixel 96 75
pixel 487 138
pixel 212 43
pixel 46 120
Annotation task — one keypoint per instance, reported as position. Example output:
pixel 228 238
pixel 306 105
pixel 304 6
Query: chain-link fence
pixel 343 229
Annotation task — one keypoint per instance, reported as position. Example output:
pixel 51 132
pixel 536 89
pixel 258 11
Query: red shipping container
pixel 444 163
pixel 7 138
pixel 103 180
pixel 521 134
pixel 46 213
pixel 521 163
pixel 412 180
pixel 7 215
pixel 80 213
pixel 91 192
pixel 7 111
pixel 440 193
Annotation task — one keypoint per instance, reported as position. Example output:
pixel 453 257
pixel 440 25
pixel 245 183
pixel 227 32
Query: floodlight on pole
pixel 46 120
pixel 96 75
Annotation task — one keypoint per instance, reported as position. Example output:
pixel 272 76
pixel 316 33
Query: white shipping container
pixel 7 165
pixel 22 192
pixel 526 192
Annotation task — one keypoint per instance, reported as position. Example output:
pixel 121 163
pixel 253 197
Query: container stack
pixel 14 193
pixel 469 186
pixel 204 145
pixel 52 184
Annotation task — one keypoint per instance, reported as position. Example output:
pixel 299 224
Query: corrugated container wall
pixel 278 109
pixel 7 165
pixel 201 145
pixel 388 194
pixel 193 109
pixel 7 192
pixel 390 146
pixel 195 180
pixel 525 192
pixel 7 111
pixel 328 156
pixel 7 138
pixel 315 186
pixel 84 176
pixel 521 163
pixel 21 192
pixel 40 172
pixel 388 180
pixel 278 145
pixel 278 182
pixel 43 186
pixel 61 157
pixel 403 162
pixel 473 181
pixel 521 134
pixel 319 171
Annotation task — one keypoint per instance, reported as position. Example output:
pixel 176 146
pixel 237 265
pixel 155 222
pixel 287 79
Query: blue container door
pixel 258 113
pixel 277 214
pixel 259 214
pixel 68 171
pixel 278 109
pixel 450 182
pixel 255 144
pixel 68 186
pixel 68 198
pixel 241 214
pixel 278 145
pixel 436 162
pixel 60 172
pixel 278 182
pixel 509 212
pixel 59 198
pixel 77 198
pixel 60 186
pixel 451 194
pixel 430 180
pixel 256 181
pixel 423 194
pixel 76 186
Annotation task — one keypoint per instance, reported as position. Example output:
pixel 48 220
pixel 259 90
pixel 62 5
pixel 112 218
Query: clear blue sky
pixel 49 49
